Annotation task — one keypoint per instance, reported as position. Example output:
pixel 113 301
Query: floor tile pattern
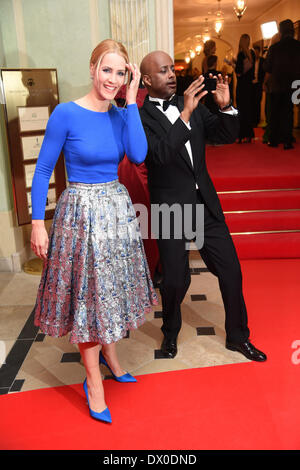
pixel 33 360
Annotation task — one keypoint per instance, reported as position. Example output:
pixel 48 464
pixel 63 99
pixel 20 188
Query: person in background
pixel 209 49
pixel 244 70
pixel 267 87
pixel 257 85
pixel 283 64
pixel 227 69
pixel 211 71
pixel 181 82
pixel 95 282
pixel 195 73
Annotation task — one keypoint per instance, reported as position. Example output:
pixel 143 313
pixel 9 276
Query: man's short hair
pixel 211 61
pixel 286 28
pixel 257 47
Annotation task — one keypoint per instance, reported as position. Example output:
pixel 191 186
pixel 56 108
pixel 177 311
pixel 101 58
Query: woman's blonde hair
pixel 244 45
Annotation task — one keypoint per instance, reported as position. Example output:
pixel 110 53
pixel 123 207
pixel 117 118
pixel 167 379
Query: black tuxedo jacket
pixel 171 176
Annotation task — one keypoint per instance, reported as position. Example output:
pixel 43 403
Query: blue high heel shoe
pixel 126 378
pixel 104 415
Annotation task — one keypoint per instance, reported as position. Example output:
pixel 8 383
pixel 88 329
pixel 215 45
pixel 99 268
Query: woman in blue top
pixel 95 283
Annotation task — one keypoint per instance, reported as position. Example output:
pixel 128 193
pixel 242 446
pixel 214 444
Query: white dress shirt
pixel 173 113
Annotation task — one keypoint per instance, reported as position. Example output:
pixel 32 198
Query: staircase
pixel 264 223
pixel 259 190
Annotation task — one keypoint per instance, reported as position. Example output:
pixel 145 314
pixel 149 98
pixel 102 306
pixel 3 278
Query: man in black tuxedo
pixel 282 65
pixel 177 174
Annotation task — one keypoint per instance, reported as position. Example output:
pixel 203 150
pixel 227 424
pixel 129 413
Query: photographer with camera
pixel 176 129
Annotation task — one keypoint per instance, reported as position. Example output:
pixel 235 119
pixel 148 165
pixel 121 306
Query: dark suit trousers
pixel 256 103
pixel 281 118
pixel 219 255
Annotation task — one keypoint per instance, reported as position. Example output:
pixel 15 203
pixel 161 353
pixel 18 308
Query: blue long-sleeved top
pixel 93 144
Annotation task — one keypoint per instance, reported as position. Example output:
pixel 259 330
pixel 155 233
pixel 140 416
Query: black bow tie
pixel 167 103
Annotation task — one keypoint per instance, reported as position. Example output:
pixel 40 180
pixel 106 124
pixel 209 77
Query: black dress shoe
pixel 272 144
pixel 249 351
pixel 288 146
pixel 169 348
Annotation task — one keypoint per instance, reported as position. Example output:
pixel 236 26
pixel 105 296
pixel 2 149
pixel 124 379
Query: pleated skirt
pixel 95 282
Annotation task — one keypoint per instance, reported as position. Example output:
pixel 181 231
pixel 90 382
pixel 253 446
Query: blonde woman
pixel 244 70
pixel 95 283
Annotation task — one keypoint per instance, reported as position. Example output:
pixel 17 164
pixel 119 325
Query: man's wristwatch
pixel 226 107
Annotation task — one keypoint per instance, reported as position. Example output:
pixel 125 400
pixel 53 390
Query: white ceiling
pixel 195 11
pixel 190 15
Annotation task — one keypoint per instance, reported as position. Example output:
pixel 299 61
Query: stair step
pixel 259 200
pixel 263 221
pixel 267 245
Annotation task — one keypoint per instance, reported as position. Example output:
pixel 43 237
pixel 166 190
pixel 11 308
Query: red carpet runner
pixel 244 406
pixel 259 189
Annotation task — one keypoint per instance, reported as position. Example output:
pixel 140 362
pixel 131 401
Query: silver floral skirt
pixel 95 283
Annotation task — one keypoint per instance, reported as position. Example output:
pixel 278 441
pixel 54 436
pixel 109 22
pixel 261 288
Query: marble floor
pixel 30 360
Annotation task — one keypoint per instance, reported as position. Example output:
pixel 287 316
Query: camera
pixel 210 84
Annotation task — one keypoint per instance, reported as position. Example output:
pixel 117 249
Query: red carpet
pixel 253 166
pixel 244 406
pixel 266 181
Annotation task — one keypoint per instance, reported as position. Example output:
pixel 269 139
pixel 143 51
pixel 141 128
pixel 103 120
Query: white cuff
pixel 187 124
pixel 232 111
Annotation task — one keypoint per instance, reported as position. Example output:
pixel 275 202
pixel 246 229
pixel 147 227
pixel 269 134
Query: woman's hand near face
pixel 39 239
pixel 134 84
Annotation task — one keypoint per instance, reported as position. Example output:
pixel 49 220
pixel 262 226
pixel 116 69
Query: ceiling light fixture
pixel 240 8
pixel 206 35
pixel 219 22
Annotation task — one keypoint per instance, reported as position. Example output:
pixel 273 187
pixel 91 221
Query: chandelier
pixel 219 22
pixel 206 33
pixel 240 8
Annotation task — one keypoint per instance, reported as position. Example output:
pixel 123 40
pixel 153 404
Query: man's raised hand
pixel 192 96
